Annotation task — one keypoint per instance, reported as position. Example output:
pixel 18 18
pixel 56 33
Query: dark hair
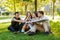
pixel 41 12
pixel 16 13
pixel 35 13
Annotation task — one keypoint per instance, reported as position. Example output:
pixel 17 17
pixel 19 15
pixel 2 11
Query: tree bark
pixel 14 6
pixel 35 5
pixel 26 7
pixel 53 6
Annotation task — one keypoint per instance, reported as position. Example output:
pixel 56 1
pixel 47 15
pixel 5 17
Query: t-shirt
pixel 14 23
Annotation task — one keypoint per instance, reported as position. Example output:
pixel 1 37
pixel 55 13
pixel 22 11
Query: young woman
pixel 32 29
pixel 28 18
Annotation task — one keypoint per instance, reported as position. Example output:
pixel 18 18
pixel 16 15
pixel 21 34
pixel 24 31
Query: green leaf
pixel 54 1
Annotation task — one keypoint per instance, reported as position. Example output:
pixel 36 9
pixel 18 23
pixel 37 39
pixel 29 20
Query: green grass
pixel 7 35
pixel 2 18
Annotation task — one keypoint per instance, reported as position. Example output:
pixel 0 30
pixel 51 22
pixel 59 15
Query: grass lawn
pixel 2 18
pixel 6 35
pixel 9 17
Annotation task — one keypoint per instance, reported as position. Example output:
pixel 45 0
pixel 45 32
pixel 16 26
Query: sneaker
pixel 18 31
pixel 31 33
pixel 15 32
pixel 46 32
pixel 25 32
pixel 22 31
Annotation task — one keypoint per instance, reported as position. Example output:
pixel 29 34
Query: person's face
pixel 33 15
pixel 29 14
pixel 39 15
pixel 17 15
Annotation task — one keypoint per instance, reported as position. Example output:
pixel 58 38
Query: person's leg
pixel 31 31
pixel 23 28
pixel 32 28
pixel 50 29
pixel 11 29
pixel 45 27
pixel 20 27
pixel 39 27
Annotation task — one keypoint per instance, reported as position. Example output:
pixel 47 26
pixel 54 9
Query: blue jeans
pixel 12 29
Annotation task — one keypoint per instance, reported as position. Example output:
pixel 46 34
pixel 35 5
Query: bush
pixel 6 13
pixel 58 11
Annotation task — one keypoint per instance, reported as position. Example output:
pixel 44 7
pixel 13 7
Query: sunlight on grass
pixel 7 35
pixel 55 26
pixel 3 26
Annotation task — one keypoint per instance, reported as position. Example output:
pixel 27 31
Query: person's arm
pixel 20 21
pixel 38 20
pixel 44 19
pixel 17 20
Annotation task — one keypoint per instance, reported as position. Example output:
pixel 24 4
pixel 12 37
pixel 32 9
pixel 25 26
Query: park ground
pixel 7 35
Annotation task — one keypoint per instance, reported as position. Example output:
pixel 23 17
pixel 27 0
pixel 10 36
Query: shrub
pixel 6 13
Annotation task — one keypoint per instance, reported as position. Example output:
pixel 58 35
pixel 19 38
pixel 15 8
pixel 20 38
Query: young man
pixel 44 22
pixel 16 23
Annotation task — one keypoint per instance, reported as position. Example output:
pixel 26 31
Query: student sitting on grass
pixel 16 23
pixel 41 23
pixel 28 18
pixel 44 23
pixel 32 29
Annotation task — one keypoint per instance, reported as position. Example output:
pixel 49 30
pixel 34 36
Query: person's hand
pixel 28 18
pixel 22 21
pixel 31 22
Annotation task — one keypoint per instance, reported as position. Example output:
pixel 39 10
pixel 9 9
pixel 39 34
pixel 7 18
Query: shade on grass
pixel 7 35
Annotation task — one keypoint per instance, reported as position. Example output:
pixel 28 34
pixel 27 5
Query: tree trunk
pixel 14 6
pixel 53 6
pixel 35 5
pixel 26 7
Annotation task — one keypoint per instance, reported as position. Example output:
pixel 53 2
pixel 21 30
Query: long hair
pixel 35 14
pixel 27 14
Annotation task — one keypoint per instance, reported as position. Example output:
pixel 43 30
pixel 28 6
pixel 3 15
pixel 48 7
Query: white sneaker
pixel 25 32
pixel 22 31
